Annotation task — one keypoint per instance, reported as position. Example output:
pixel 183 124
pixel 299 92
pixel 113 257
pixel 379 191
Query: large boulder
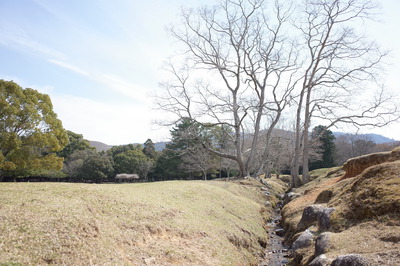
pixel 322 243
pixel 310 216
pixel 321 260
pixel 288 197
pixel 305 239
pixel 350 260
pixel 324 219
pixel 315 214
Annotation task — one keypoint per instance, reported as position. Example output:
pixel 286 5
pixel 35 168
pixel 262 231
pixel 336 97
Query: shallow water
pixel 276 253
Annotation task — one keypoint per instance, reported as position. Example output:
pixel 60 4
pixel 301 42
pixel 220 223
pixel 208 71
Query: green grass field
pixel 178 222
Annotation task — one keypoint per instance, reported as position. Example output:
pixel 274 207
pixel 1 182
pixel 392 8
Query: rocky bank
pixel 345 216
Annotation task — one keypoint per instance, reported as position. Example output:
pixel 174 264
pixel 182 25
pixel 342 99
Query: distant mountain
pixel 159 146
pixel 378 139
pixel 100 146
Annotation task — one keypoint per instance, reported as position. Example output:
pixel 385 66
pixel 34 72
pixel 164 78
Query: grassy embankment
pixel 192 222
pixel 366 216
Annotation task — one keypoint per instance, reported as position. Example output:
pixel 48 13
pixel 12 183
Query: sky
pixel 100 60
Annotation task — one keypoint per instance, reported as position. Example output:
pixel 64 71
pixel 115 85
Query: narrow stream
pixel 276 253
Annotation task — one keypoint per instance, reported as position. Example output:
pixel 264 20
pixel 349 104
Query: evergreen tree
pixel 326 146
pixel 129 161
pixel 97 168
pixel 30 132
pixel 76 142
pixel 168 165
pixel 149 149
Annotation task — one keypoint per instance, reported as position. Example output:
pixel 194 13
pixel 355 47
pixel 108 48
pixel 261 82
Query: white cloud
pixel 16 38
pixel 69 67
pixel 120 85
pixel 112 81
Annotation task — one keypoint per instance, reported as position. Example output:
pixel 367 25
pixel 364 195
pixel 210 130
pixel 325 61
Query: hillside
pixel 376 138
pixel 100 146
pixel 350 214
pixel 164 223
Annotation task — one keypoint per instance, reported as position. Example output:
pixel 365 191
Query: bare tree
pixel 247 64
pixel 340 64
pixel 198 159
pixel 240 69
pixel 352 145
pixel 280 144
pixel 144 167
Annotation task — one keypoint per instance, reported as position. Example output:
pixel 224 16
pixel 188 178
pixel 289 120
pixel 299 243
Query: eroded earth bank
pixel 345 216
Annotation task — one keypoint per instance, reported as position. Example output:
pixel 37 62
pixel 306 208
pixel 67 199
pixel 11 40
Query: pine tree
pixel 326 146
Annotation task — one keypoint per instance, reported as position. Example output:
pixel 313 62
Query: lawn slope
pixel 191 223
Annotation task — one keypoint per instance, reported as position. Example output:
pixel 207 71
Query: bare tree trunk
pixel 238 139
pixel 220 167
pixel 265 155
pixel 256 132
pixel 294 171
pixel 268 171
pixel 306 143
pixel 264 165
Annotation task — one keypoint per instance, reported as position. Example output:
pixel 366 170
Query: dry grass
pixel 378 242
pixel 191 223
pixel 373 195
pixel 277 185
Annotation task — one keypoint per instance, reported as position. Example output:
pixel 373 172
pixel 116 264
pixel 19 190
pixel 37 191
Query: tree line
pixel 35 146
